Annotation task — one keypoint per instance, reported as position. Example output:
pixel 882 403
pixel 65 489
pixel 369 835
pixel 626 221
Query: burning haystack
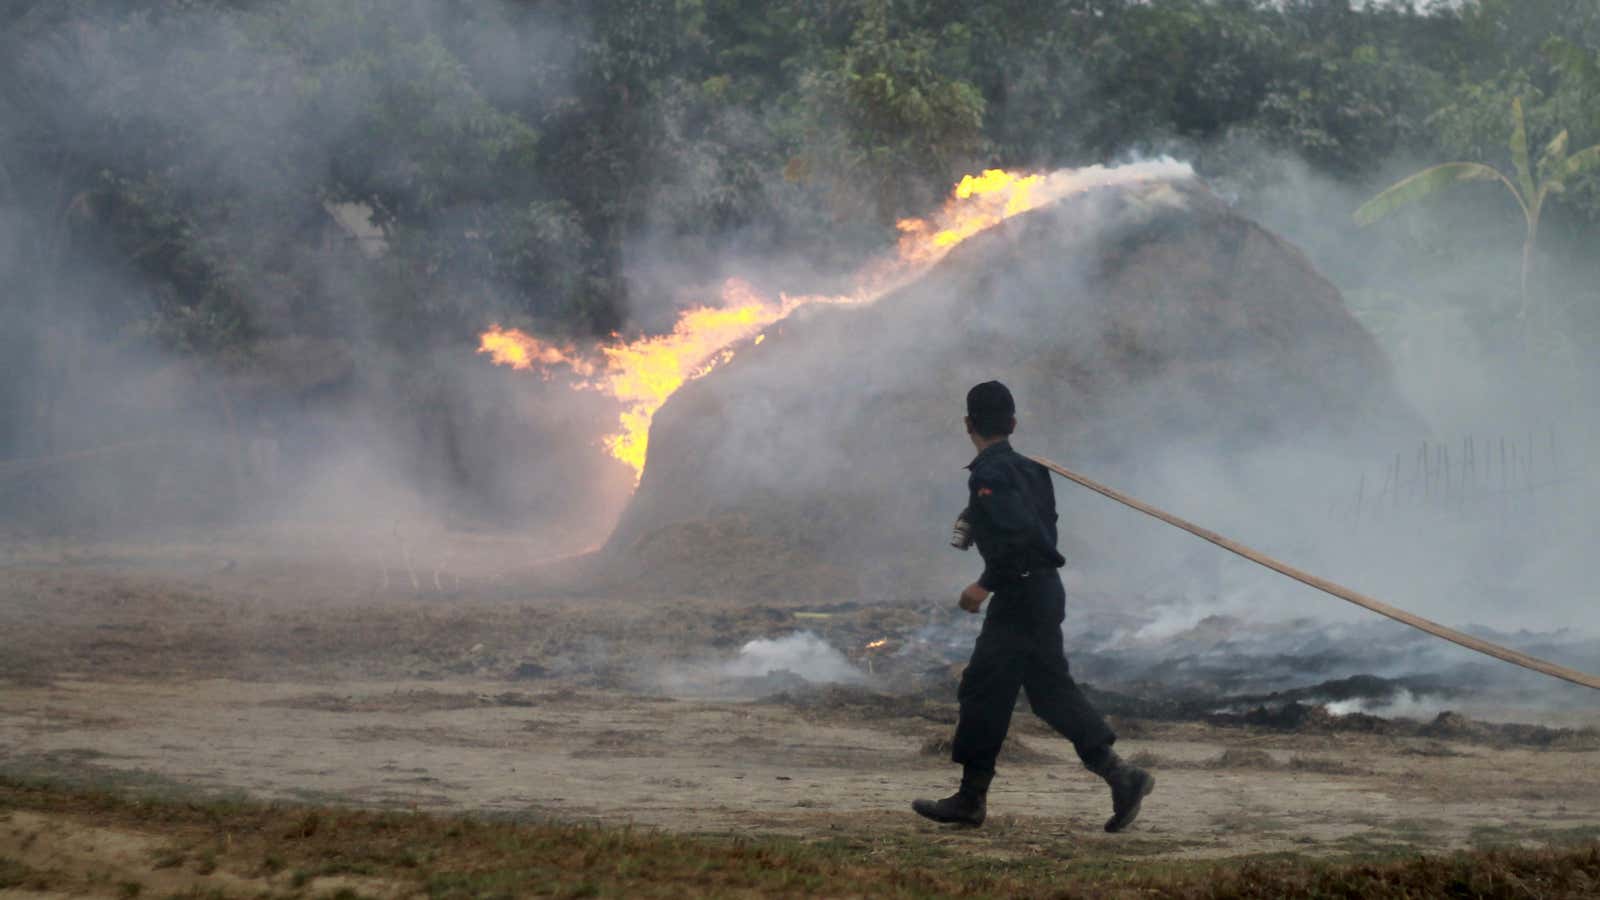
pixel 1128 319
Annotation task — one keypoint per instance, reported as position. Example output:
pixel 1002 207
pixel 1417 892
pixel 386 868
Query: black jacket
pixel 1011 505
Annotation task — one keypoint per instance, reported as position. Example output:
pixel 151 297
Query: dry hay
pixel 1251 759
pixel 1125 320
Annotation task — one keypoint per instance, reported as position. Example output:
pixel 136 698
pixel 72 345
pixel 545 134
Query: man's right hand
pixel 972 597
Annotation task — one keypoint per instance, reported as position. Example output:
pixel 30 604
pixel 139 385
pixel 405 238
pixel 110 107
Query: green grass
pixel 1488 837
pixel 475 857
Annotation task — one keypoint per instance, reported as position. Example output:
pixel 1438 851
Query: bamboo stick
pixel 1328 587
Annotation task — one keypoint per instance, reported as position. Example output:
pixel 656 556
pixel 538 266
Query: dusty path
pixel 702 765
pixel 231 670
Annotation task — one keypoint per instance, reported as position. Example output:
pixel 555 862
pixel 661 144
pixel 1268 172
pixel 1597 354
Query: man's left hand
pixel 973 596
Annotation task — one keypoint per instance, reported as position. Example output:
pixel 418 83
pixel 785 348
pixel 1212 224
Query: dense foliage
pixel 525 159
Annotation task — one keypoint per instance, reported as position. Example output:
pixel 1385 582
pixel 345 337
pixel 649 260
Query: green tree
pixel 909 122
pixel 1530 187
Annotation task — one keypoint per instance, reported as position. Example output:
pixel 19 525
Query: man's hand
pixel 972 597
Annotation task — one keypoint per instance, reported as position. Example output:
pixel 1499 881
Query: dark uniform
pixel 1012 511
pixel 1011 515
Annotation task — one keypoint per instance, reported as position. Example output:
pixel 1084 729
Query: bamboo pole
pixel 1328 587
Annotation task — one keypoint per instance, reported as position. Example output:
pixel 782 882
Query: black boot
pixel 1129 786
pixel 965 806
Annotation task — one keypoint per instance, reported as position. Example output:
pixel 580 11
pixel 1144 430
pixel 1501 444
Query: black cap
pixel 990 406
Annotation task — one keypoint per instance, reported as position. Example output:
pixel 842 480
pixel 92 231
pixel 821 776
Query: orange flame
pixel 978 202
pixel 643 372
pixel 519 350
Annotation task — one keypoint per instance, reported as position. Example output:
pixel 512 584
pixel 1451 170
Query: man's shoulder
pixel 1022 469
pixel 998 465
pixel 1029 464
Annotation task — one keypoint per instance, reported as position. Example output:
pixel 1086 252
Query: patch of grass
pixel 1324 765
pixel 170 860
pixel 1576 835
pixel 1250 758
pixel 1378 844
pixel 78 770
pixel 465 856
pixel 1248 822
pixel 1489 837
pixel 1242 758
pixel 1495 836
pixel 1415 830
pixel 1437 749
pixel 1144 759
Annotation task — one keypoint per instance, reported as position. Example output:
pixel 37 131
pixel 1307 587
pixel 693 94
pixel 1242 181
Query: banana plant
pixel 1531 187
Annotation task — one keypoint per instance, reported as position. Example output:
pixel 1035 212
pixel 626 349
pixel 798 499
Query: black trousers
pixel 1020 647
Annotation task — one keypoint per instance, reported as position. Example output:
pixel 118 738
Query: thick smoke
pixel 104 431
pixel 344 407
pixel 1480 521
pixel 1491 540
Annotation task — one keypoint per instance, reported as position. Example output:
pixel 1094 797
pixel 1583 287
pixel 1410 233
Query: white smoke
pixel 762 666
pixel 802 653
pixel 1401 704
pixel 1066 182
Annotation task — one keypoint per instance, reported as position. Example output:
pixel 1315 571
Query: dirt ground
pixel 223 668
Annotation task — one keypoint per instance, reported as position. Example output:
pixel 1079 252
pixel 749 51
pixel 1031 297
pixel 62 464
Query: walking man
pixel 1011 516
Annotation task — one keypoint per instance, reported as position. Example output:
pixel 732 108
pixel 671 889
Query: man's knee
pixel 1048 678
pixel 1057 699
pixel 997 663
pixel 989 687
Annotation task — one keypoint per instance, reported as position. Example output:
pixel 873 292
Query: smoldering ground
pixel 1470 544
pixel 339 559
pixel 424 437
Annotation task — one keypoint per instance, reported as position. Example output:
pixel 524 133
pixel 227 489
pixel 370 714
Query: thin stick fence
pixel 1477 472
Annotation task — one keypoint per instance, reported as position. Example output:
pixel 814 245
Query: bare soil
pixel 222 670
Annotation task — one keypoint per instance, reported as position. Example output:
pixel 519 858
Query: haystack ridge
pixel 1129 320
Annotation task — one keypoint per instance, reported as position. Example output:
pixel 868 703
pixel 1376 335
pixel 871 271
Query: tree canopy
pixel 516 155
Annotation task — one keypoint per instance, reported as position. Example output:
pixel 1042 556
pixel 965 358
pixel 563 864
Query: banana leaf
pixel 1555 153
pixel 1519 152
pixel 1577 164
pixel 1421 185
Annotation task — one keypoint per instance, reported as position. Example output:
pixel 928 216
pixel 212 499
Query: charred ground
pixel 224 670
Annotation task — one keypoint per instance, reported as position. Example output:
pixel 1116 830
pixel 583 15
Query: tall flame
pixel 641 373
pixel 644 372
pixel 978 202
pixel 517 349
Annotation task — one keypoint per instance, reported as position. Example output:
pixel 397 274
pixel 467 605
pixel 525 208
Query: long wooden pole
pixel 1326 586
